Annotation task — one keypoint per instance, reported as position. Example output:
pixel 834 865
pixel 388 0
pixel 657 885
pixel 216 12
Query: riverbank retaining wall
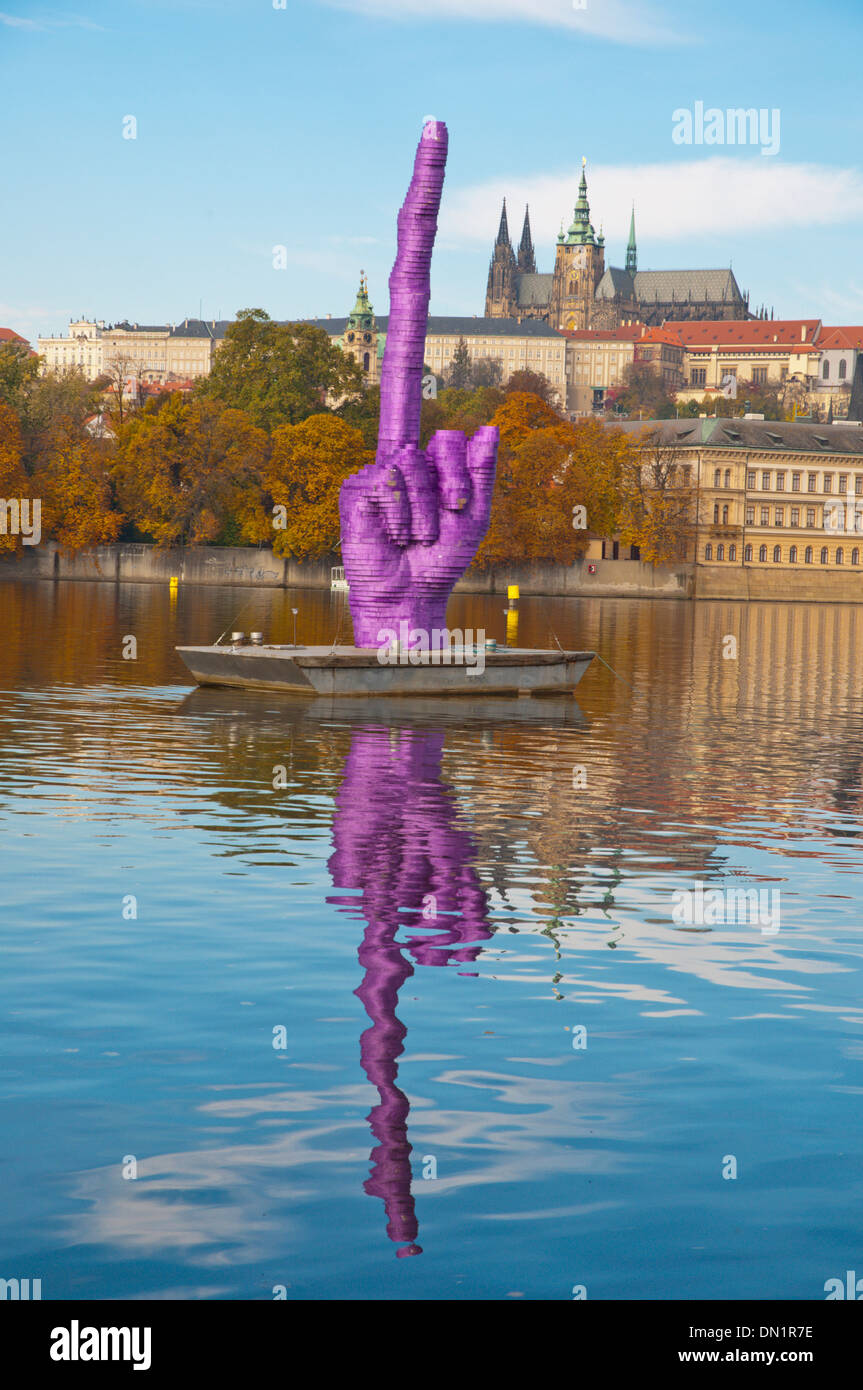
pixel 249 567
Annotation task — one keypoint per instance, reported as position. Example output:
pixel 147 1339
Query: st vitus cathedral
pixel 582 293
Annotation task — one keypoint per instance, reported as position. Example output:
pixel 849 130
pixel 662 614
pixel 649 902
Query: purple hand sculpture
pixel 412 521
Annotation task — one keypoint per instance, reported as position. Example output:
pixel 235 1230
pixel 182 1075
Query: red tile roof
pixel 841 338
pixel 8 335
pixel 748 332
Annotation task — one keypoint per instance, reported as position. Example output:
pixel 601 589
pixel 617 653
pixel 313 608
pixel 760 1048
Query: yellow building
pixel 771 495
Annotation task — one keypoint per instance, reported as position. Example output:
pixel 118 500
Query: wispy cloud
pixel 72 21
pixel 672 201
pixel 620 21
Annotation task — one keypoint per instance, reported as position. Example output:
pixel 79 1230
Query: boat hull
pixel 356 671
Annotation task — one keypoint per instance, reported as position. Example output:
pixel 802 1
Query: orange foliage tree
pixel 189 471
pixel 547 468
pixel 14 483
pixel 308 464
pixel 78 508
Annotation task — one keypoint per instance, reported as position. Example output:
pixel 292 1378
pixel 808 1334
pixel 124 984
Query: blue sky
pixel 259 127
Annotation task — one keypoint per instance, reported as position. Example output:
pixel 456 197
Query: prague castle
pixel 581 292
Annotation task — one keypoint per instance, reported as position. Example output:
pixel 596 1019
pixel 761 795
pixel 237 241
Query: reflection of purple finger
pixel 447 451
pixel 421 489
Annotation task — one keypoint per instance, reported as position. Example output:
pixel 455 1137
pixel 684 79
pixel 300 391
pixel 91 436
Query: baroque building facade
pixel 581 292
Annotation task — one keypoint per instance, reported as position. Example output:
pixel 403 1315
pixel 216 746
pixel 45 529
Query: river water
pixel 440 1014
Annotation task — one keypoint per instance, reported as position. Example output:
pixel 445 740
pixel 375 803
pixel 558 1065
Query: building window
pixel 842 369
pixel 750 479
pixel 810 516
pixel 724 516
pixel 720 552
pixel 858 484
pixel 780 482
pixel 807 555
pixel 732 552
pixel 779 517
pixel 777 554
pixel 795 482
pixel 811 482
pixel 715 513
pixel 795 516
pixel 855 556
pixel 792 555
pixel 747 553
pixel 717 474
pixel 828 482
pixel 708 551
pixel 762 552
pixel 765 516
pixel 824 555
pixel 698 376
pixel 728 477
pixel 750 516
pixel 365 361
pixel 825 370
pixel 843 482
pixel 840 556
pixel 765 482
pixel 759 376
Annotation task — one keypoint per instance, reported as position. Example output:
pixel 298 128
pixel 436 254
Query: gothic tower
pixel 500 293
pixel 526 257
pixel 578 267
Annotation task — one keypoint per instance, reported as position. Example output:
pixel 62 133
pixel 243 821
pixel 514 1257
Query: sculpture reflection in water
pixel 397 839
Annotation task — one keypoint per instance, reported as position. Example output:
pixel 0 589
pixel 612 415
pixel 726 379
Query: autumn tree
pixel 308 464
pixel 556 482
pixel 116 374
pixel 188 469
pixel 535 384
pixel 644 393
pixel 78 504
pixel 657 501
pixel 14 483
pixel 278 373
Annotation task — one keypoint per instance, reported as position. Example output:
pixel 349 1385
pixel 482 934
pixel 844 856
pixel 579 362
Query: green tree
pixel 460 367
pixel 278 374
pixel 19 368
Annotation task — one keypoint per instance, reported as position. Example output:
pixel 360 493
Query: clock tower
pixel 361 335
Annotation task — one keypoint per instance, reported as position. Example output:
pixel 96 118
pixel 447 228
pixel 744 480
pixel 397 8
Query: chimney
pixel 803 333
pixel 329 316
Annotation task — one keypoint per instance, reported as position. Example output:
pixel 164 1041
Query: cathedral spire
pixel 631 253
pixel 503 229
pixel 581 233
pixel 526 256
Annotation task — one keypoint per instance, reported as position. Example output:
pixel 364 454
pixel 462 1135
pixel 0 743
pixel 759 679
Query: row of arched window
pixel 825 370
pixel 808 554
